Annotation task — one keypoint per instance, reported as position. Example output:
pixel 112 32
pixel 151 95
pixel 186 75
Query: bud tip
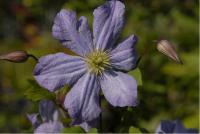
pixel 166 48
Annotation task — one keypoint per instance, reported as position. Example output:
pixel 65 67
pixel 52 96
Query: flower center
pixel 97 62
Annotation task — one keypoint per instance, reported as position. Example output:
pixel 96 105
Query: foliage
pixel 134 130
pixel 36 93
pixel 136 73
pixel 73 130
pixel 93 130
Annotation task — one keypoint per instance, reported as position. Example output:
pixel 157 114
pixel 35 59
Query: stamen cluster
pixel 97 61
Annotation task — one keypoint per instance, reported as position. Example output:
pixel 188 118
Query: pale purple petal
pixel 165 127
pixel 119 89
pixel 85 33
pixel 56 70
pixel 124 56
pixel 47 109
pixel 173 127
pixel 49 127
pixel 74 34
pixel 192 131
pixel 82 101
pixel 108 23
pixel 91 124
pixel 178 127
pixel 33 118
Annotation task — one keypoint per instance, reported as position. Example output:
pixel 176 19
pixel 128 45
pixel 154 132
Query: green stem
pixel 32 56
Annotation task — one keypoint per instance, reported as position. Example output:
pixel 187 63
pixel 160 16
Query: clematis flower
pixel 173 127
pixel 49 122
pixel 100 64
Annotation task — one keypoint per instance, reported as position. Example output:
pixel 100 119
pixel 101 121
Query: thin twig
pixel 32 56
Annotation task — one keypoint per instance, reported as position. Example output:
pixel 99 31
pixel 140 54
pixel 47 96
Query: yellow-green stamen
pixel 97 61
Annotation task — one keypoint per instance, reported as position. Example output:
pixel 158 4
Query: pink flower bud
pixel 17 56
pixel 166 48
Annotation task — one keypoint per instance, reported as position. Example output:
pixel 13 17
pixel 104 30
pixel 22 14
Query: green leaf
pixel 36 93
pixel 129 109
pixel 93 130
pixel 66 120
pixel 61 93
pixel 144 130
pixel 76 129
pixel 136 73
pixel 191 121
pixel 134 130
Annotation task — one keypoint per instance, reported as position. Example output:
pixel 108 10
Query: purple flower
pixel 173 127
pixel 89 124
pixel 100 64
pixel 49 122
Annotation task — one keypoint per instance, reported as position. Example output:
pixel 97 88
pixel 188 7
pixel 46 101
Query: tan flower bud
pixel 17 56
pixel 166 48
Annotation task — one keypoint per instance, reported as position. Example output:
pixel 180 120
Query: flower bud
pixel 17 56
pixel 166 48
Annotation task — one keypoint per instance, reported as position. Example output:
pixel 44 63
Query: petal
pixel 179 128
pixel 74 34
pixel 49 127
pixel 85 33
pixel 165 127
pixel 91 124
pixel 119 89
pixel 82 101
pixel 124 56
pixel 55 70
pixel 192 131
pixel 108 23
pixel 34 120
pixel 47 109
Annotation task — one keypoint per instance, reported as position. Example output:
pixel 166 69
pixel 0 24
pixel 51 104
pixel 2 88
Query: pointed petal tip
pixel 108 23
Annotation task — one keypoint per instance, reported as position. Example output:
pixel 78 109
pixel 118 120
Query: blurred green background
pixel 169 90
